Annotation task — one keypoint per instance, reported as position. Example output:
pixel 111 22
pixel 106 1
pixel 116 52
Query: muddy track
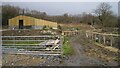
pixel 82 59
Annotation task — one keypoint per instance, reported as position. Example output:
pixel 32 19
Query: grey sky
pixel 58 8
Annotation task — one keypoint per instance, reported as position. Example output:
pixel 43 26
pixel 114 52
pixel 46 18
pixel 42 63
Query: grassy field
pixel 67 47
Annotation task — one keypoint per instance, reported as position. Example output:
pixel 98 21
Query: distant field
pixel 76 26
pixel 71 25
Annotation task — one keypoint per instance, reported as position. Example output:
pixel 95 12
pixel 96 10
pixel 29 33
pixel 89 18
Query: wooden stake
pixel 111 38
pixel 104 39
pixel 95 37
pixel 99 38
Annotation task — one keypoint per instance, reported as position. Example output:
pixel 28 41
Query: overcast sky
pixel 58 8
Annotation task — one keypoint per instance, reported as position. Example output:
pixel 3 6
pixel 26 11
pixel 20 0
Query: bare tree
pixel 103 12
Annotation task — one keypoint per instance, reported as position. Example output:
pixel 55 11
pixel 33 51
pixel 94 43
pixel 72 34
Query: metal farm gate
pixel 32 45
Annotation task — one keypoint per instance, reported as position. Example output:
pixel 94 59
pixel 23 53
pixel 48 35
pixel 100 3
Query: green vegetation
pixel 21 42
pixel 67 47
pixel 27 42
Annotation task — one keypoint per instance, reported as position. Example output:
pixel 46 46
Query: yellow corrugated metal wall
pixel 27 21
pixel 40 22
pixel 30 21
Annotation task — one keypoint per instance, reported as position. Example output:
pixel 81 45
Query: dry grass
pixel 108 47
pixel 77 25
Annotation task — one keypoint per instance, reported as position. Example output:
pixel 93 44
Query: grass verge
pixel 67 47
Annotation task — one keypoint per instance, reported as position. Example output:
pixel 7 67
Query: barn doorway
pixel 20 24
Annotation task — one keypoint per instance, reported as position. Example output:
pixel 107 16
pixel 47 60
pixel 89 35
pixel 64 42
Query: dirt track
pixel 83 56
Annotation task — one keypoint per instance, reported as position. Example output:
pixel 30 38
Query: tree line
pixel 103 16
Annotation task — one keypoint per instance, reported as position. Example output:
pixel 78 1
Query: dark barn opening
pixel 20 24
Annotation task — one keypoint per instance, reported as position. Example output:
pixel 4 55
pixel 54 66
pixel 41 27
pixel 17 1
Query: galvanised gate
pixel 32 45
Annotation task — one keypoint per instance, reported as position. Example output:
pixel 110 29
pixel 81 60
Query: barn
pixel 26 22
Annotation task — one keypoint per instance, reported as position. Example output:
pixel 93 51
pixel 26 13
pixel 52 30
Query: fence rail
pixel 70 33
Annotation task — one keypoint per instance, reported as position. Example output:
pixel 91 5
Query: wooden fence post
pixel 95 38
pixel 86 34
pixel 111 38
pixel 99 38
pixel 92 36
pixel 104 39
